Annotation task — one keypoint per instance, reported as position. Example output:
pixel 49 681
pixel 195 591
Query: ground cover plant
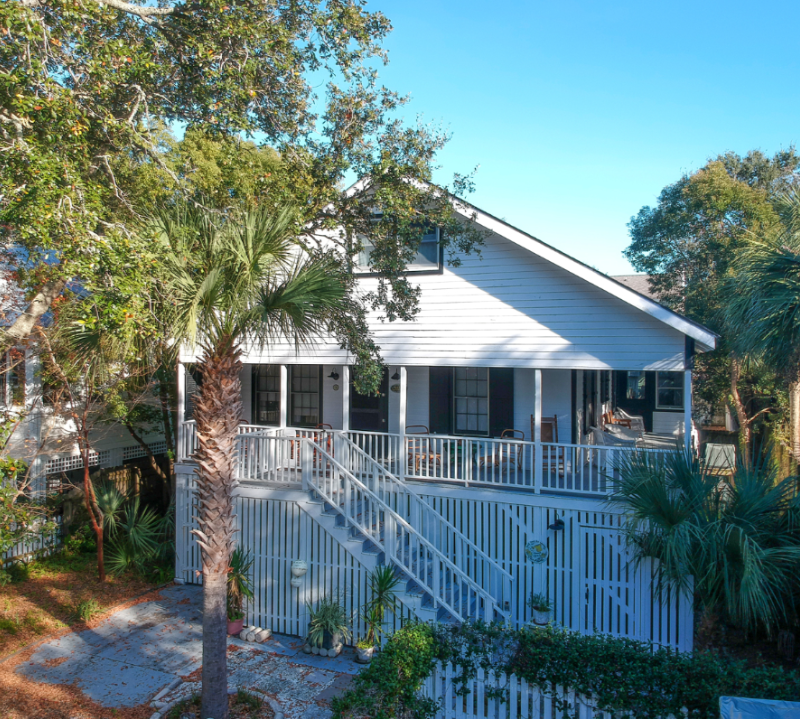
pixel 619 675
pixel 242 705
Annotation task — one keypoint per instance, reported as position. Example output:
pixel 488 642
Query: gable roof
pixel 704 337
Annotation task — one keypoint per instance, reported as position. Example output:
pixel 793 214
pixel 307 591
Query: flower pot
pixel 541 617
pixel 364 656
pixel 331 641
pixel 234 627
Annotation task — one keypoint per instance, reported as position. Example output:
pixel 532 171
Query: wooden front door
pixel 370 413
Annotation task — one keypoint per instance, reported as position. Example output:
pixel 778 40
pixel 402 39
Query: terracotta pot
pixel 236 626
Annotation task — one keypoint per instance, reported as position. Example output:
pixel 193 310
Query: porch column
pixel 401 425
pixel 284 413
pixel 181 401
pixel 687 409
pixel 538 459
pixel 345 398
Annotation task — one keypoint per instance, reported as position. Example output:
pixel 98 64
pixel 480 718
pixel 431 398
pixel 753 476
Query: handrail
pixel 427 508
pixel 440 588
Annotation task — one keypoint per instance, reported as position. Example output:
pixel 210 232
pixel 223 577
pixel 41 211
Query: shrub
pixel 81 541
pixel 389 687
pixel 18 571
pixel 622 676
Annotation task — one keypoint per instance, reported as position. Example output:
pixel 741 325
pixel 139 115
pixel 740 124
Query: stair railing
pixel 447 538
pixel 369 510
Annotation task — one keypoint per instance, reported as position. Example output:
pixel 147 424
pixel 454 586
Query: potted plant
pixel 328 625
pixel 382 585
pixel 240 588
pixel 540 606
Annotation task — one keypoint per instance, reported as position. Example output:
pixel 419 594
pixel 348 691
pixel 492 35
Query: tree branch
pixel 23 326
pixel 145 13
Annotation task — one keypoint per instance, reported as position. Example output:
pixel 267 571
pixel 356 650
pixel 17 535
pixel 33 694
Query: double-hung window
pixel 304 396
pixel 471 399
pixel 267 394
pixel 669 390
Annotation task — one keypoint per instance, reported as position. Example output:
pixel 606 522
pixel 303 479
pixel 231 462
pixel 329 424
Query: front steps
pixel 361 547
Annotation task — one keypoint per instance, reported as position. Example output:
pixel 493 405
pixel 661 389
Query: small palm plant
pixel 240 586
pixel 736 539
pixel 328 625
pixel 382 585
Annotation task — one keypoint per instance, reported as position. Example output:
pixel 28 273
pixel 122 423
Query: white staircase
pixel 379 520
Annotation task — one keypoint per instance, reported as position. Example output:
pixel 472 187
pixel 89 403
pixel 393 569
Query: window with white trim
pixel 669 390
pixel 427 258
pixel 471 400
pixel 304 396
pixel 267 394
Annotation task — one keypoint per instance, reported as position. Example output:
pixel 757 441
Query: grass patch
pixel 87 609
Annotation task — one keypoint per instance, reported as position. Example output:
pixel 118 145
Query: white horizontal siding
pixel 332 398
pixel 418 394
pixel 509 308
pixel 557 400
pixel 668 423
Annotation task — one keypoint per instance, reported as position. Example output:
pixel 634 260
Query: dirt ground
pixel 51 598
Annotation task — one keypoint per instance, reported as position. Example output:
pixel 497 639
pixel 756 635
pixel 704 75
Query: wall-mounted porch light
pixel 333 375
pixel 396 376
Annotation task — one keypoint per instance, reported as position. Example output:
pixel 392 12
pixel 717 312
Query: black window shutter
pixel 440 396
pixel 501 400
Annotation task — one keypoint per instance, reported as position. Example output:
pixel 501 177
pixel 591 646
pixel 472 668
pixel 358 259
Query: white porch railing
pixel 368 506
pixel 462 551
pixel 562 468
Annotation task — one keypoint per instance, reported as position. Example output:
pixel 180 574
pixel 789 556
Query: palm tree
pixel 230 280
pixel 763 311
pixel 737 538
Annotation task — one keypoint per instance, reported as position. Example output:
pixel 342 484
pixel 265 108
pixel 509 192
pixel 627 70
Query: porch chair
pixel 553 457
pixel 636 420
pixel 609 418
pixel 506 454
pixel 419 450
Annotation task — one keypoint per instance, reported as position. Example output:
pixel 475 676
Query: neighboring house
pixel 43 437
pixel 522 338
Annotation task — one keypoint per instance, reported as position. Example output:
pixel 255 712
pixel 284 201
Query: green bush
pixel 18 571
pixel 81 541
pixel 389 687
pixel 621 676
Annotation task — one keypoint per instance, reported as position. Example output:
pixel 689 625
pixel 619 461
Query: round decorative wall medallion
pixel 536 551
pixel 395 388
pixel 336 388
pixel 299 567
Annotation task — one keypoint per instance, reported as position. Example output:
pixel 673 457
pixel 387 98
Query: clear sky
pixel 580 112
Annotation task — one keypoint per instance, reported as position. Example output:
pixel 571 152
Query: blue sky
pixel 579 113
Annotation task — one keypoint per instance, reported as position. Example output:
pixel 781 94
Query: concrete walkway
pixel 149 650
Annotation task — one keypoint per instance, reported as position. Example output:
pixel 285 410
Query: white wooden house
pixel 522 337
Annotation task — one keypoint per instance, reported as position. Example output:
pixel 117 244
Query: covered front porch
pixel 518 429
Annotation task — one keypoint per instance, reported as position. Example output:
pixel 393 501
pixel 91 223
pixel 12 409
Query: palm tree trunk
pixel 218 407
pixel 794 419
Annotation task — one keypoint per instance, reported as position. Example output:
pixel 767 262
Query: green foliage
pixel 141 541
pixel 86 609
pixel 738 537
pixel 80 541
pixel 765 293
pixel 540 602
pixel 247 699
pixel 328 618
pixel 389 687
pixel 621 676
pixel 20 517
pixel 689 244
pixel 240 584
pixel 18 571
pixel 382 583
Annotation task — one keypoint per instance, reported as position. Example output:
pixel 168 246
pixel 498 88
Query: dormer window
pixel 427 259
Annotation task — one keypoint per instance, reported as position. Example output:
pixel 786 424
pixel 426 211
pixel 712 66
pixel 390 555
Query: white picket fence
pixel 519 700
pixel 41 544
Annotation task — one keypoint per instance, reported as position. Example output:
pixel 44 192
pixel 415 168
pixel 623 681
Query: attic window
pixel 427 258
